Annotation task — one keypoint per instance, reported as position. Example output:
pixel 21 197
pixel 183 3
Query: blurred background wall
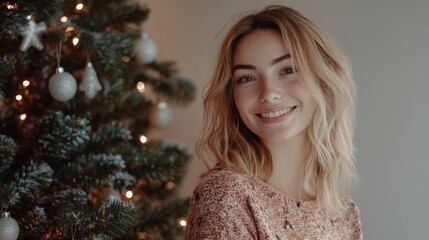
pixel 388 44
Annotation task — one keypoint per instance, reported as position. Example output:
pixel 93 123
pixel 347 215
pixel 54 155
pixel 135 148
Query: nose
pixel 270 92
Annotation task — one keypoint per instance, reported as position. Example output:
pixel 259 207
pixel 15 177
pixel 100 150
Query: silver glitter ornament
pixel 62 85
pixel 146 50
pixel 161 115
pixel 31 34
pixel 9 229
pixel 90 84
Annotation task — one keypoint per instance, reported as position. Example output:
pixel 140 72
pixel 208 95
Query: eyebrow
pixel 275 61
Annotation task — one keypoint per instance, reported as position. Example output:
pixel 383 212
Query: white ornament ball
pixel 62 85
pixel 146 50
pixel 9 229
pixel 161 115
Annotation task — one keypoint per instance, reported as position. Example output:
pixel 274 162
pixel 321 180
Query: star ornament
pixel 31 34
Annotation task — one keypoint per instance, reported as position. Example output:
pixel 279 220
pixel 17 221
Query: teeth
pixel 276 113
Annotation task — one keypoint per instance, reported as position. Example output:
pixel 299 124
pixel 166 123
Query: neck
pixel 289 159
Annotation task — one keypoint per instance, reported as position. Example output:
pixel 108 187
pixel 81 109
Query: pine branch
pixel 33 224
pixel 176 89
pixel 112 132
pixel 63 200
pixel 8 196
pixel 31 178
pixel 115 14
pixel 61 136
pixel 8 149
pixel 163 220
pixel 124 180
pixel 107 50
pixel 110 219
pixel 156 165
pixel 93 170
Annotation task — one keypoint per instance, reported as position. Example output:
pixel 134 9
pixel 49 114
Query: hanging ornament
pixel 31 34
pixel 146 50
pixel 62 85
pixel 161 115
pixel 90 84
pixel 9 229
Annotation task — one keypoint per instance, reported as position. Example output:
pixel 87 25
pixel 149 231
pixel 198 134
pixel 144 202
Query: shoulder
pixel 352 218
pixel 222 182
pixel 219 208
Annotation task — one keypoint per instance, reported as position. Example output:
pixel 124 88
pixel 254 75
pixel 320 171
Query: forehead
pixel 261 46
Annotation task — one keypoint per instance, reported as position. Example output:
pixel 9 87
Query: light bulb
pixel 11 6
pixel 169 185
pixel 79 6
pixel 18 97
pixel 125 59
pixel 23 116
pixel 75 41
pixel 64 19
pixel 143 139
pixel 140 87
pixel 25 83
pixel 129 194
pixel 182 222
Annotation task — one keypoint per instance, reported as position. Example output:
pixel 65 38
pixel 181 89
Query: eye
pixel 245 79
pixel 288 72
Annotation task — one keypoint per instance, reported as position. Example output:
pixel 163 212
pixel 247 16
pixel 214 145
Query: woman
pixel 279 123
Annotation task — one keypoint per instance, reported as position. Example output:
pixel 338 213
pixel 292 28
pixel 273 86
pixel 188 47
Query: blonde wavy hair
pixel 324 70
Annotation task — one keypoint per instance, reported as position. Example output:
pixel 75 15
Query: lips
pixel 277 113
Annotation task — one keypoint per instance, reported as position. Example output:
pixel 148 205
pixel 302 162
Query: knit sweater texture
pixel 229 205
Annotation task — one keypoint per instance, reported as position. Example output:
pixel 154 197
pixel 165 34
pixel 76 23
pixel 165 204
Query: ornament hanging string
pixel 58 52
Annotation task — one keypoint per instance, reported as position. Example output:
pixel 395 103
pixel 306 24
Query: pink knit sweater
pixel 228 205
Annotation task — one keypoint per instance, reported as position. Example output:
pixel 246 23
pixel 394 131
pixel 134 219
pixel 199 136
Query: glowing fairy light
pixel 26 83
pixel 75 41
pixel 169 185
pixel 125 59
pixel 143 139
pixel 141 87
pixel 18 97
pixel 79 6
pixel 11 6
pixel 182 222
pixel 129 194
pixel 23 116
pixel 64 19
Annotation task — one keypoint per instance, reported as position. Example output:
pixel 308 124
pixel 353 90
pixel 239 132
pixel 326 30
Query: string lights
pixel 75 41
pixel 129 194
pixel 25 83
pixel 182 222
pixel 125 59
pixel 79 6
pixel 143 139
pixel 64 19
pixel 23 116
pixel 141 87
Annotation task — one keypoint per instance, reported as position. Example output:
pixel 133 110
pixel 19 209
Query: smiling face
pixel 269 97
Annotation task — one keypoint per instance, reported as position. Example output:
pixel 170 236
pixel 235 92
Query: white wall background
pixel 388 44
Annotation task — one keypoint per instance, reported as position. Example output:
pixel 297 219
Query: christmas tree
pixel 80 89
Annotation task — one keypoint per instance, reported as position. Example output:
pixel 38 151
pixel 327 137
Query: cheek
pixel 239 100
